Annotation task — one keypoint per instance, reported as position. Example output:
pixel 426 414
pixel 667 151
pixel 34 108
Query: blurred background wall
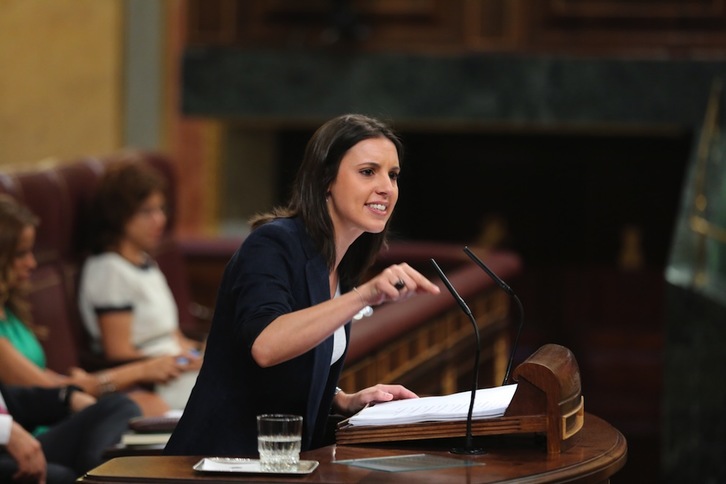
pixel 61 86
pixel 85 78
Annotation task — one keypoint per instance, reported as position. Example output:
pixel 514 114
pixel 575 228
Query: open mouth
pixel 378 207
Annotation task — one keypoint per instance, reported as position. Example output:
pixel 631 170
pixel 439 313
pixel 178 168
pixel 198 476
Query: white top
pixel 339 341
pixel 111 283
pixel 6 423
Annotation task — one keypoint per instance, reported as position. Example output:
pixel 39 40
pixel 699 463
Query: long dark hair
pixel 14 218
pixel 318 170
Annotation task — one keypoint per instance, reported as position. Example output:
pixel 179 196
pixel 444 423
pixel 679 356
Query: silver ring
pixel 399 284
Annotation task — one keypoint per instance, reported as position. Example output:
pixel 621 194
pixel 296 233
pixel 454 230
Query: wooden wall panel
pixel 628 26
pixel 605 27
pixel 373 24
pixel 494 25
pixel 212 22
pixel 649 10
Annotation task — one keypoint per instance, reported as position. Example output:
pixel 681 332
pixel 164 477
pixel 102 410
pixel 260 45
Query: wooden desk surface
pixel 593 455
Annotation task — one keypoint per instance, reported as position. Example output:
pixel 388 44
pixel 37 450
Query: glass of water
pixel 278 441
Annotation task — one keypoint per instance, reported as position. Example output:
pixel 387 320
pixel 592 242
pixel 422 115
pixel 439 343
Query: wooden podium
pixel 548 400
pixel 595 454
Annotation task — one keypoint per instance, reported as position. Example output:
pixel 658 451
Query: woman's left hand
pixel 351 403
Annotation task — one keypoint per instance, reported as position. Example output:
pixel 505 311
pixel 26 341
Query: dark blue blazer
pixel 277 270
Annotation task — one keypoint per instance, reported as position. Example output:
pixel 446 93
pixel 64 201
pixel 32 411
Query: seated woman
pixel 125 301
pixel 82 429
pixel 22 359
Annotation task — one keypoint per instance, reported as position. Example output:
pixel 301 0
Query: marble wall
pixel 290 84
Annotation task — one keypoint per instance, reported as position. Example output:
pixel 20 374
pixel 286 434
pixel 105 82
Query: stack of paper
pixel 489 403
pixel 133 439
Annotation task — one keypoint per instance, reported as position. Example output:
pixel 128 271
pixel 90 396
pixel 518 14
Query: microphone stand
pixel 516 338
pixel 503 285
pixel 468 448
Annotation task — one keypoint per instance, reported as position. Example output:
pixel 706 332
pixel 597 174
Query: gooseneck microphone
pixel 509 291
pixel 468 448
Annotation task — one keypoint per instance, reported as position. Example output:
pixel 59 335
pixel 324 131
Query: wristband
pixel 64 395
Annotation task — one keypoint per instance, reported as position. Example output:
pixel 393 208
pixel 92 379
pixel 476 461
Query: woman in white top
pixel 125 301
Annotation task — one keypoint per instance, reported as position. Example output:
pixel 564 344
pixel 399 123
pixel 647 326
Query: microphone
pixel 468 448
pixel 509 291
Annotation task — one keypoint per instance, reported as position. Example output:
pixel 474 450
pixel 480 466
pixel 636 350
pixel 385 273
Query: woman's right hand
pixel 80 377
pixel 28 455
pixel 395 283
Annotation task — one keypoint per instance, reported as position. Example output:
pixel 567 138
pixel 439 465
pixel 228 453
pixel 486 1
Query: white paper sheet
pixel 489 403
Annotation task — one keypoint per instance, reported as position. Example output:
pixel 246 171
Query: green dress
pixel 22 338
pixel 25 341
